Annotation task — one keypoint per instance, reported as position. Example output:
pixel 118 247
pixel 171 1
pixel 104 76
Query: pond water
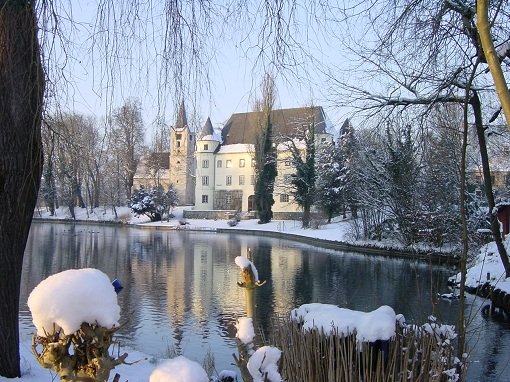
pixel 180 292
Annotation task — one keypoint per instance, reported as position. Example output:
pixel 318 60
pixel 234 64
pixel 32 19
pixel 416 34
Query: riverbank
pixel 336 235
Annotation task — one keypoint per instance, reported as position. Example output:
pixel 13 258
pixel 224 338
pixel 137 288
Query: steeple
pixel 207 129
pixel 182 120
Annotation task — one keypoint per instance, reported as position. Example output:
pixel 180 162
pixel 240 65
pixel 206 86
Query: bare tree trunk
pixel 483 25
pixel 21 94
pixel 461 327
pixel 477 110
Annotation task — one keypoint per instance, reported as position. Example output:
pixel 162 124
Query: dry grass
pixel 413 355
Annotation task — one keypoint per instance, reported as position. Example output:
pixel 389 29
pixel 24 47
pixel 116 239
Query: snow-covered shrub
pixel 153 202
pixel 76 315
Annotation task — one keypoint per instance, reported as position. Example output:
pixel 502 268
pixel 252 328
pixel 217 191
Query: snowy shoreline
pixel 331 236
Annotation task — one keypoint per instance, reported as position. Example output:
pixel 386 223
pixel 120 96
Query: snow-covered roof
pixel 236 148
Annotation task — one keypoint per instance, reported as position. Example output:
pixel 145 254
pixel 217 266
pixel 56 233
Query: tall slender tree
pixel 127 141
pixel 265 152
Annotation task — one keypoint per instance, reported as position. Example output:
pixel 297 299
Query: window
pixel 205 198
pixel 205 163
pixel 241 162
pixel 287 178
pixel 252 180
pixel 241 180
pixel 287 163
pixel 206 147
pixel 229 180
pixel 178 136
pixel 228 198
pixel 284 198
pixel 229 163
pixel 205 181
pixel 178 143
pixel 219 163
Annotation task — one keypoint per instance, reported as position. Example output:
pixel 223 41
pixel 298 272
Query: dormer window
pixel 206 147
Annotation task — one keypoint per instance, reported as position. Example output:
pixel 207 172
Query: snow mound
pixel 245 330
pixel 379 324
pixel 179 369
pixel 265 360
pixel 69 298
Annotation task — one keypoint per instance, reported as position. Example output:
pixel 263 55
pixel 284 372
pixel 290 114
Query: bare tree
pixel 127 141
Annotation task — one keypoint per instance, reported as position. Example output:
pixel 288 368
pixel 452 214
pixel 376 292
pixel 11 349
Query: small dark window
pixel 206 147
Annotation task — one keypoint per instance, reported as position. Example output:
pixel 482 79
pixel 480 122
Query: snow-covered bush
pixel 76 315
pixel 153 202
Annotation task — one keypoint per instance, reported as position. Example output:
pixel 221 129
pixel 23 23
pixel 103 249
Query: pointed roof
pixel 346 127
pixel 182 120
pixel 207 129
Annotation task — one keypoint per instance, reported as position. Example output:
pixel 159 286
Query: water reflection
pixel 180 293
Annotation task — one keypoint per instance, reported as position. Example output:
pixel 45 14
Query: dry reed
pixel 414 354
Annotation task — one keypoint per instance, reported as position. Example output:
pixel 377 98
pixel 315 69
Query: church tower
pixel 182 164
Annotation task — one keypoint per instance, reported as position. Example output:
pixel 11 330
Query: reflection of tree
pixel 263 296
pixel 180 287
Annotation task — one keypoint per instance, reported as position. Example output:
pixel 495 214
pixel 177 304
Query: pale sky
pixel 232 77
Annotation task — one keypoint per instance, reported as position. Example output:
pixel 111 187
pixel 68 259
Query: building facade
pixel 215 170
pixel 225 172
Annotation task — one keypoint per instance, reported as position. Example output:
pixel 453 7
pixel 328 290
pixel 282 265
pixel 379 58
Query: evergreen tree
pixel 265 153
pixel 266 175
pixel 330 181
pixel 349 158
pixel 304 179
pixel 401 172
pixel 153 202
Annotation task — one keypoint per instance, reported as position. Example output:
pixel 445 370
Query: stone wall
pixel 209 214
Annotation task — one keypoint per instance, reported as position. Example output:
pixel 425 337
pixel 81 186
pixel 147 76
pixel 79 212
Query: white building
pixel 225 173
pixel 215 170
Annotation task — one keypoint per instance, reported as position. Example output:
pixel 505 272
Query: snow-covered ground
pixel 487 267
pixel 339 230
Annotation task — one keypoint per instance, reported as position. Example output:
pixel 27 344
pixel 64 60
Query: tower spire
pixel 182 120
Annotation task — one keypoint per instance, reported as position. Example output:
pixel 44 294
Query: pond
pixel 180 293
